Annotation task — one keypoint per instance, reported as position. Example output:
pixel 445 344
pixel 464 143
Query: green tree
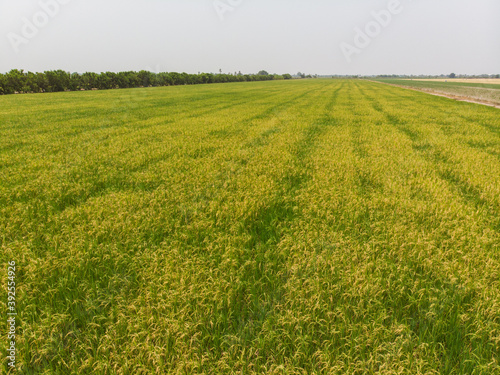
pixel 89 80
pixel 42 82
pixel 146 78
pixel 75 81
pixel 2 84
pixel 15 80
pixel 31 83
pixel 58 80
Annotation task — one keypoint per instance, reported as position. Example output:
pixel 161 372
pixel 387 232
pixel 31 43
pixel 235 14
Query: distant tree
pixel 176 78
pixel 15 80
pixel 89 80
pixel 452 75
pixel 204 78
pixel 146 78
pixel 59 80
pixel 123 80
pixel 107 80
pixel 75 81
pixel 31 84
pixel 2 84
pixel 186 79
pixel 113 80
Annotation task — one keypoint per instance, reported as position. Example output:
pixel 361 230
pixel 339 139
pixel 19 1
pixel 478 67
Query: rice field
pixel 299 227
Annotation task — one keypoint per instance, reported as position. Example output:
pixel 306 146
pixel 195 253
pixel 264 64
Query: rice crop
pixel 286 227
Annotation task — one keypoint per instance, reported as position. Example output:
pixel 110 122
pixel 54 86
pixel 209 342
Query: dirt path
pixel 446 95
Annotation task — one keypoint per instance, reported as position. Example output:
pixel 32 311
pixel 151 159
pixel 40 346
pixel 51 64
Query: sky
pixel 323 37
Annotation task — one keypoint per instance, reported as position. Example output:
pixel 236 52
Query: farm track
pixel 316 226
pixel 450 95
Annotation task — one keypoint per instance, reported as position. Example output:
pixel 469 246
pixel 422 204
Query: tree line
pixel 19 81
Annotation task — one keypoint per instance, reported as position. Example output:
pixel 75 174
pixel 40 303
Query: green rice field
pixel 286 227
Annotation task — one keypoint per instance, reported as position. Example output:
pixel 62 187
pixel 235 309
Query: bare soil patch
pixel 447 95
pixel 494 81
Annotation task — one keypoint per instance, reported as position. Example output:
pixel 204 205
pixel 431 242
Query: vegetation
pixel 287 227
pixel 18 81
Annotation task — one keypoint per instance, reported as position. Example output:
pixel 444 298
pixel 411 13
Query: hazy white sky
pixel 281 36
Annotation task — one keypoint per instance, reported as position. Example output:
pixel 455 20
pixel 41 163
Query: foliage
pixel 18 81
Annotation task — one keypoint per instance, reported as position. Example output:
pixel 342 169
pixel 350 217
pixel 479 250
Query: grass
pixel 304 227
pixel 473 90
